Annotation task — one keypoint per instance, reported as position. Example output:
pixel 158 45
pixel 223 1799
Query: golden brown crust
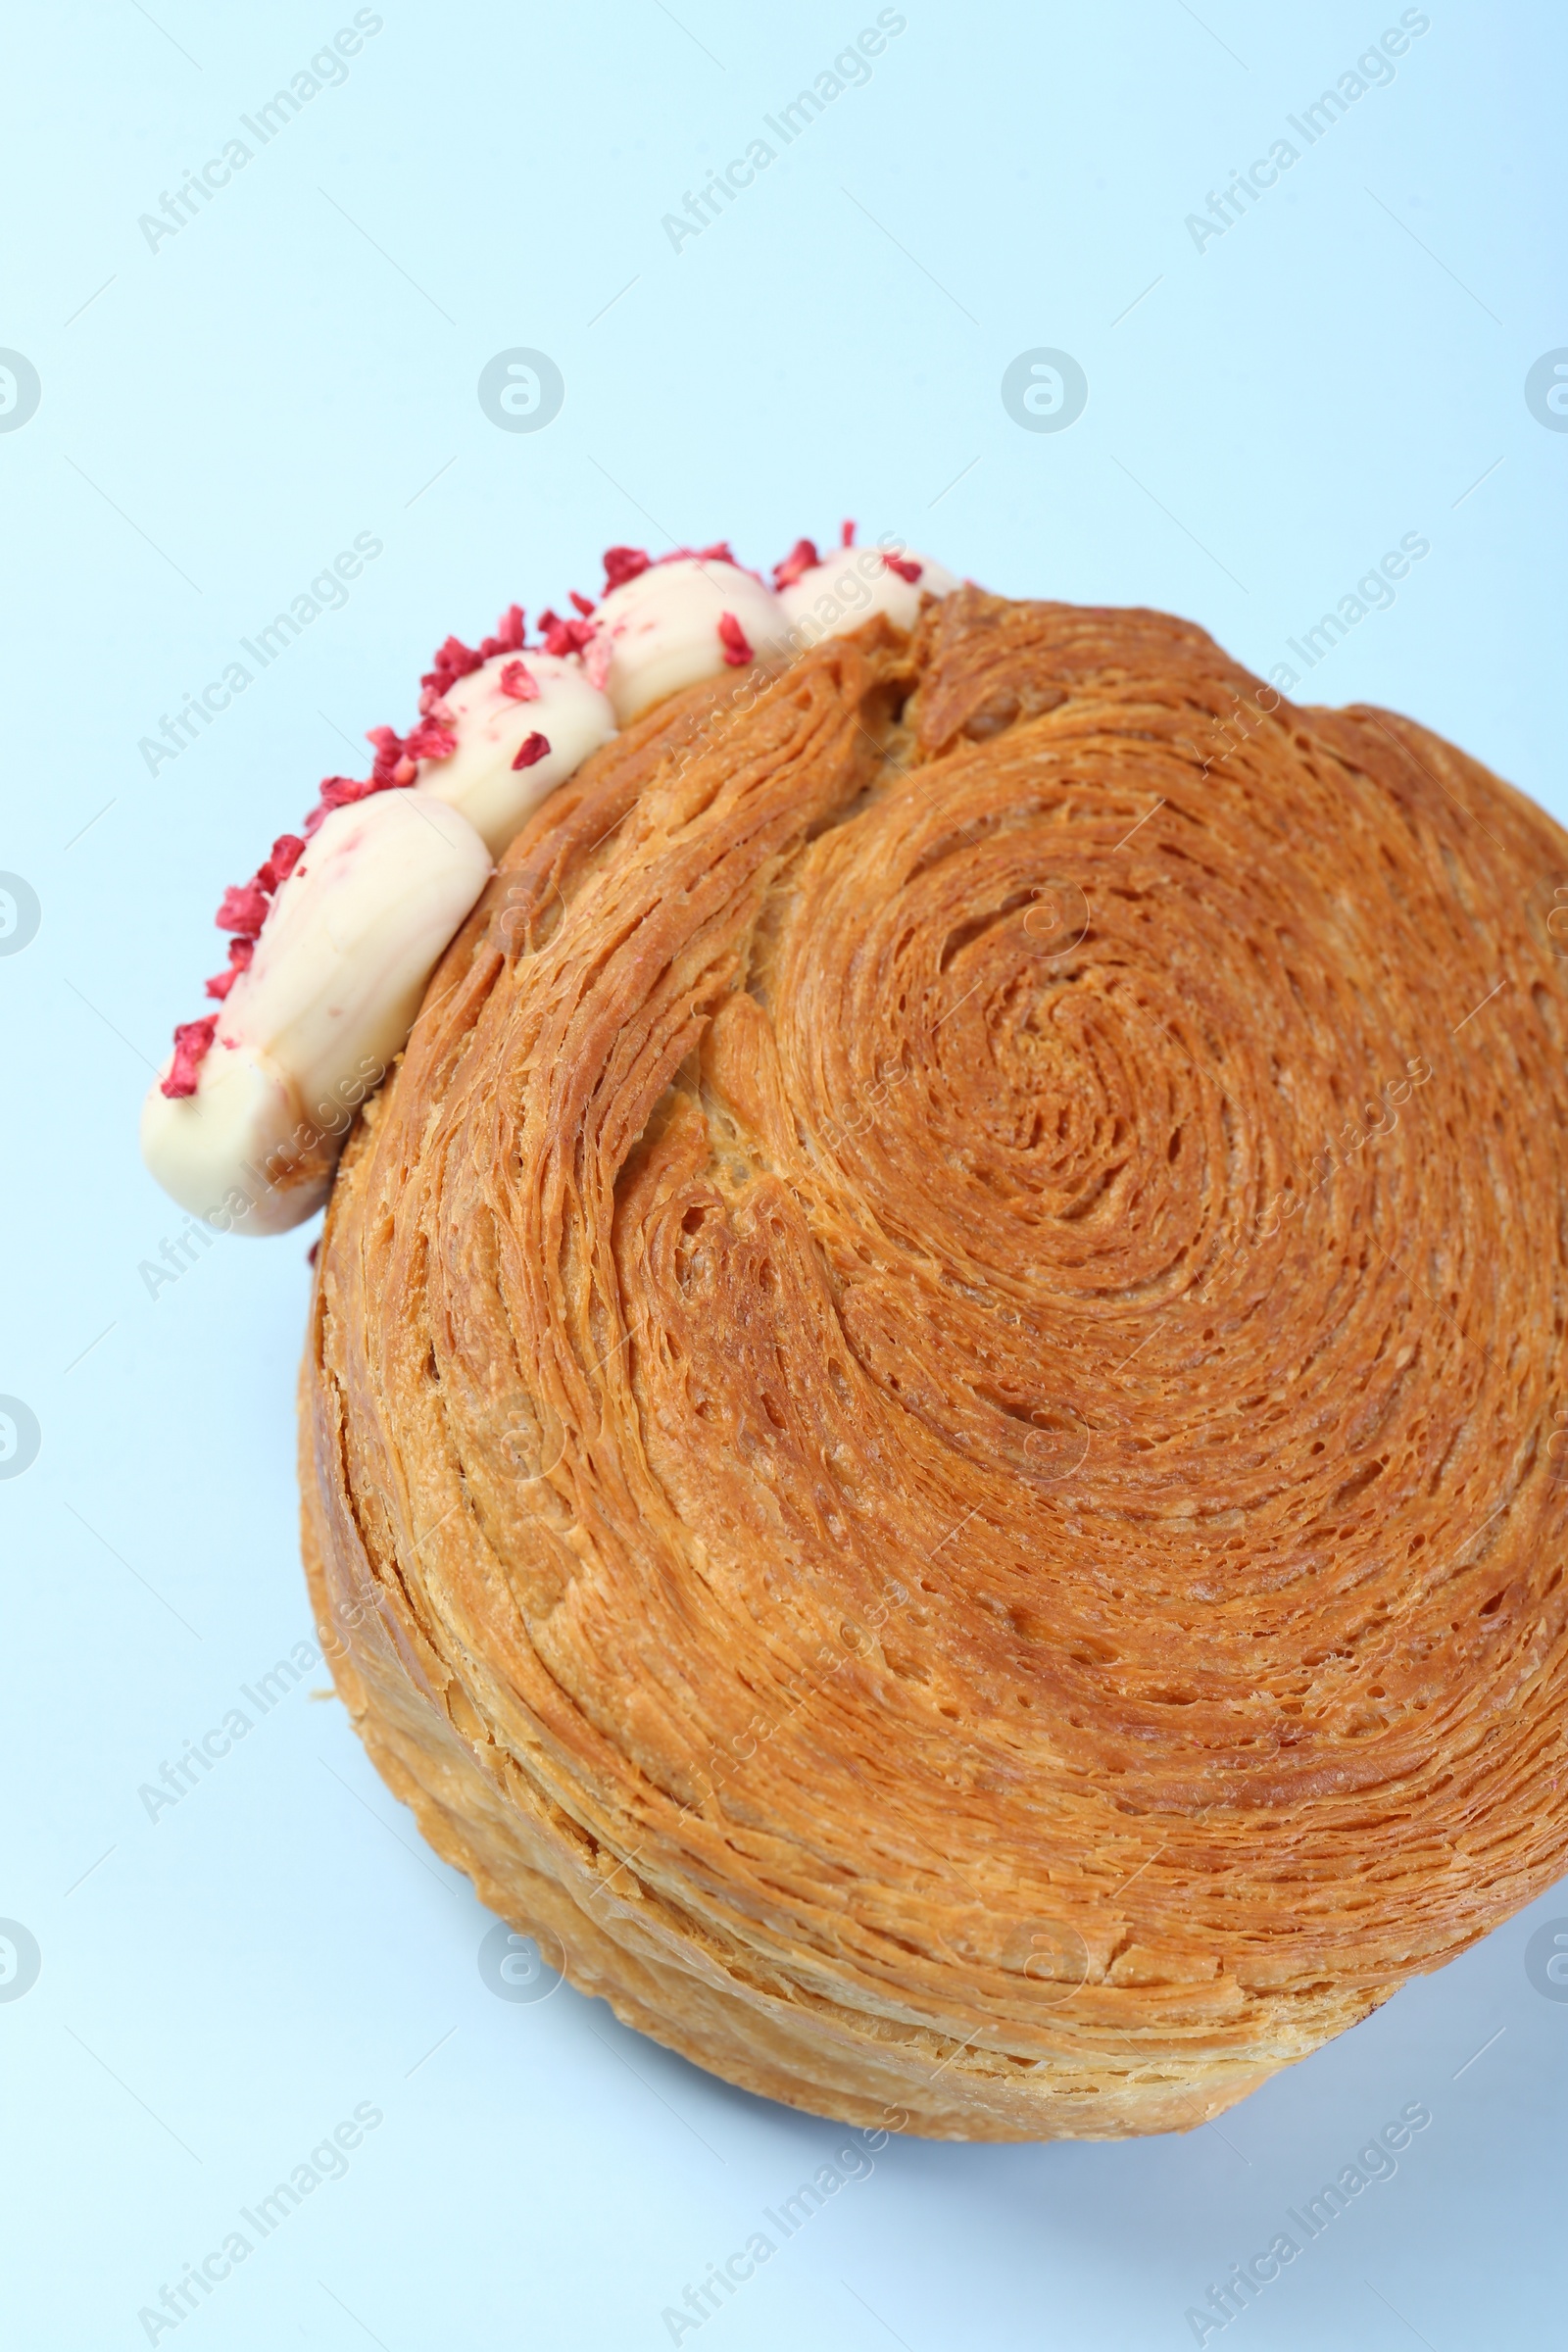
pixel 929 1423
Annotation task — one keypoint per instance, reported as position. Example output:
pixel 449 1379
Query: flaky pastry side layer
pixel 928 1429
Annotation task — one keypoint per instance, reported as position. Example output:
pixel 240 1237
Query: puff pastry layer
pixel 929 1429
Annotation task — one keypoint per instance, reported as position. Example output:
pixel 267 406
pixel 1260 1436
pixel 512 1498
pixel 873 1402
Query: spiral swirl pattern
pixel 930 1433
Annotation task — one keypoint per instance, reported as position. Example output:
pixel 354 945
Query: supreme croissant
pixel 931 1427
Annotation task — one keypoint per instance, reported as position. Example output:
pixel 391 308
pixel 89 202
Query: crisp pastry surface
pixel 930 1430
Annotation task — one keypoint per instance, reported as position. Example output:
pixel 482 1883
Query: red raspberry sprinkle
pixel 508 635
pixel 192 1044
pixel 534 749
pixel 847 534
pixel 336 793
pixel 718 553
pixel 519 682
pixel 340 792
pixel 584 603
pixel 564 636
pixel 732 637
pixel 597 659
pixel 904 568
pixel 243 909
pixel 452 660
pixel 241 953
pixel 802 557
pixel 392 763
pixel 287 850
pixel 432 739
pixel 623 564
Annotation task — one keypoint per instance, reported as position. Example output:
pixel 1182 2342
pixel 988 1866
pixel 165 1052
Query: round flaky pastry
pixel 931 1427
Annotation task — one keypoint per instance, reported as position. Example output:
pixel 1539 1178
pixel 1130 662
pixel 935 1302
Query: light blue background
pixel 223 415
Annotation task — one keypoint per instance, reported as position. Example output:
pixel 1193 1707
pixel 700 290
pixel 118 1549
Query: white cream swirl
pixel 844 590
pixel 303 1036
pixel 681 621
pixel 354 931
pixel 497 713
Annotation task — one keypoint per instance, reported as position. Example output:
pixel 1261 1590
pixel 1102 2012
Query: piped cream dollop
pixel 682 621
pixel 841 593
pixel 353 932
pixel 497 712
pixel 311 1028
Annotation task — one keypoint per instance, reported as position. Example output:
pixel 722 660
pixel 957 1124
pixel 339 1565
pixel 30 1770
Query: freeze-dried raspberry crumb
pixel 387 745
pixel 847 534
pixel 242 955
pixel 508 635
pixel 535 747
pixel 287 850
pixel 732 637
pixel 192 1044
pixel 452 660
pixel 802 557
pixel 623 564
pixel 904 568
pixel 584 603
pixel 564 636
pixel 518 683
pixel 243 908
pixel 337 792
pixel 718 553
pixel 392 762
pixel 432 739
pixel 597 659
